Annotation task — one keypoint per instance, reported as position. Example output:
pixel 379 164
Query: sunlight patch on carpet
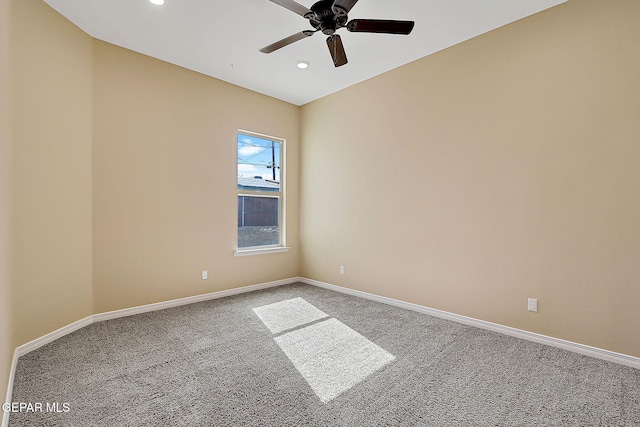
pixel 332 357
pixel 329 355
pixel 288 314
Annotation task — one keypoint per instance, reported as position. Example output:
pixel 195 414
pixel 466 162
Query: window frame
pixel 280 195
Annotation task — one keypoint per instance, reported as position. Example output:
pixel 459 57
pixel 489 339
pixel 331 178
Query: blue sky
pixel 255 154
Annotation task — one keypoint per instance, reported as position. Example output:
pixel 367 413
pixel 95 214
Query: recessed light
pixel 158 2
pixel 302 64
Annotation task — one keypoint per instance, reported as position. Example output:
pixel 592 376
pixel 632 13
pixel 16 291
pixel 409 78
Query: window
pixel 260 194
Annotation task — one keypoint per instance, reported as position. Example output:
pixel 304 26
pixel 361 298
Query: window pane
pixel 259 191
pixel 258 164
pixel 258 221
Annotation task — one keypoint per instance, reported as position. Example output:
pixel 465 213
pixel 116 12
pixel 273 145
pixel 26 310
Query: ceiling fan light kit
pixel 328 16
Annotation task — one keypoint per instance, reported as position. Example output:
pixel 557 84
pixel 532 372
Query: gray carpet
pixel 216 363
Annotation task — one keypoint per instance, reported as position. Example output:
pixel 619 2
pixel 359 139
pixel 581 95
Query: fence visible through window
pixel 258 221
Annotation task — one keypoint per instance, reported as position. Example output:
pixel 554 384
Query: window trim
pixel 282 211
pixel 260 250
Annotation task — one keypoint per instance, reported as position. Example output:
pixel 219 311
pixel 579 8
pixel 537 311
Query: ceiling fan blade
pixel 380 26
pixel 345 5
pixel 337 50
pixel 287 41
pixel 293 6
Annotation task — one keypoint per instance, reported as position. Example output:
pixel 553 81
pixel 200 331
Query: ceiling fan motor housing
pixel 325 18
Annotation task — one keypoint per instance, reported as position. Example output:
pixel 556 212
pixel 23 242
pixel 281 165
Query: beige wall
pixel 164 190
pixel 6 333
pixel 503 168
pixel 51 170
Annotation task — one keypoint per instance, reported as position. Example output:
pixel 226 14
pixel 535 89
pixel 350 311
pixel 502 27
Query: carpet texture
pixel 215 363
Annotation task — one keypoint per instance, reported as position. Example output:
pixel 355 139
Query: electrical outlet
pixel 532 304
pixel 205 274
pixel 342 269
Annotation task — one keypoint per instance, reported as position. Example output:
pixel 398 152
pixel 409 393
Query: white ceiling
pixel 221 38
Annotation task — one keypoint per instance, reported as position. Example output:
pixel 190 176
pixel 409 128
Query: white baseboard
pixel 52 336
pixel 598 353
pixel 189 300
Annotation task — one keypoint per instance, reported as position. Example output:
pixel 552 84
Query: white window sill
pixel 260 251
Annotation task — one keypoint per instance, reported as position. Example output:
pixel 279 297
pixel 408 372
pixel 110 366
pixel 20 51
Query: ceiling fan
pixel 329 16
